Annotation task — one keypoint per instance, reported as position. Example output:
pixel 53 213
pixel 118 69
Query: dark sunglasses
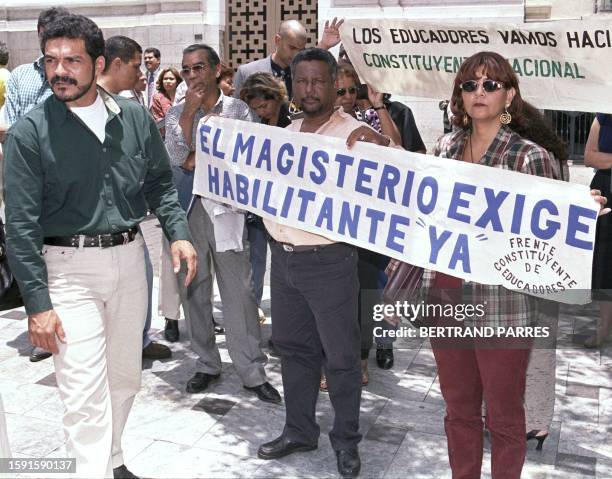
pixel 342 91
pixel 488 85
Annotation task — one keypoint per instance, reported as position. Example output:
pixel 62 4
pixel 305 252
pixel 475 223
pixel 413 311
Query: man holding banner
pixel 314 288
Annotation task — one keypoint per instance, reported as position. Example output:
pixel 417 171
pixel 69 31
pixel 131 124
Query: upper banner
pixel 491 226
pixel 563 65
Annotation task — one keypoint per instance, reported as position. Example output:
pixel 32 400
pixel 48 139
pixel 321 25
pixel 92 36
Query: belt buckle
pixel 288 248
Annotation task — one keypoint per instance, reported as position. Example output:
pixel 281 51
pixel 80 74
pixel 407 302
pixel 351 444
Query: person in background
pixel 169 79
pixel 4 73
pixel 226 80
pixel 371 265
pixel 267 97
pixel 598 154
pixel 152 61
pixel 123 57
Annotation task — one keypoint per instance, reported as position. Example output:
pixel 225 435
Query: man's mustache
pixel 56 79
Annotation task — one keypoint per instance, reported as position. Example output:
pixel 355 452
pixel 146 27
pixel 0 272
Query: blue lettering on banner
pixel 363 177
pixel 436 243
pixel 227 187
pixel 551 226
pixel 241 146
pixel 461 253
pixel 390 178
pixel 204 130
pixel 574 225
pixel 375 217
pixel 408 189
pixel 213 179
pixel 431 183
pixel 256 185
pixel 302 162
pixel 395 234
pixel 266 201
pixel 491 214
pixel 326 214
pixel 285 151
pixel 517 215
pixel 242 189
pixel 457 202
pixel 306 197
pixel 264 155
pixel 343 161
pixel 348 221
pixel 317 157
pixel 216 153
pixel 287 203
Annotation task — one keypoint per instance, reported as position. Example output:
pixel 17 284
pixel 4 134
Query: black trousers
pixel 314 310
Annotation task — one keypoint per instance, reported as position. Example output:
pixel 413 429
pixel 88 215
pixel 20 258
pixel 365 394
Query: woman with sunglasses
pixel 487 108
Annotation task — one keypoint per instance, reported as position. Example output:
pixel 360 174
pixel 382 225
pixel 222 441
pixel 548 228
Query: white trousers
pixel 168 299
pixel 100 296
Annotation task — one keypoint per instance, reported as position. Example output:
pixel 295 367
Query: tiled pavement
pixel 174 434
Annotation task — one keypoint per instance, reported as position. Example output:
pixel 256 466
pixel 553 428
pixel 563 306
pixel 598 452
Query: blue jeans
pixel 146 340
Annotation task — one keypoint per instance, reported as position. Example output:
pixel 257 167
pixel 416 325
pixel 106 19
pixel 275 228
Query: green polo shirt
pixel 61 181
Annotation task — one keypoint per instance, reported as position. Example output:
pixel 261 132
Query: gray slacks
pixel 240 316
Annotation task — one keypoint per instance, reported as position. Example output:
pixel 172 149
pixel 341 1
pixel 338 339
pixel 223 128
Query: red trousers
pixel 466 377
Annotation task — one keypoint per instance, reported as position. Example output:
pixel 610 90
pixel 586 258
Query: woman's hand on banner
pixel 602 200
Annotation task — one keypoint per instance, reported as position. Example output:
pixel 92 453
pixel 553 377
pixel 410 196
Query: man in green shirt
pixel 81 170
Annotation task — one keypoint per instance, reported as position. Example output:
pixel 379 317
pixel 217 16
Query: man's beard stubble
pixel 81 90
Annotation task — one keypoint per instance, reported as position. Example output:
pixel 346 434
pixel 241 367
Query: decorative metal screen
pixel 252 24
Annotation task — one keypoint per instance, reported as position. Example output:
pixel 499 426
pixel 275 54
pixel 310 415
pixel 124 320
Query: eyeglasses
pixel 489 86
pixel 342 91
pixel 196 69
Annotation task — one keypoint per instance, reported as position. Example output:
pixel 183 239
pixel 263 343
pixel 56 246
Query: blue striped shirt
pixel 26 87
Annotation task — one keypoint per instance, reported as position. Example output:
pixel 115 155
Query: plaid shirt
pixel 510 152
pixel 26 88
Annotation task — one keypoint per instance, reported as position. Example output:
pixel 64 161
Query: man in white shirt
pixel 152 61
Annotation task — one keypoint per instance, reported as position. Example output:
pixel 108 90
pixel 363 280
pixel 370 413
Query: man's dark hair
pixel 213 58
pixel 4 54
pixel 315 54
pixel 50 15
pixel 156 53
pixel 120 47
pixel 77 27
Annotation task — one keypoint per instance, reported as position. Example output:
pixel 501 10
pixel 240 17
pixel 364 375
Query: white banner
pixel 475 222
pixel 561 65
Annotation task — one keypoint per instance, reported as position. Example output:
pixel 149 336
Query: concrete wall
pixel 169 25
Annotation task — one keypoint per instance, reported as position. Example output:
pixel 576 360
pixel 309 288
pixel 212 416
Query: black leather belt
pixel 93 241
pixel 300 248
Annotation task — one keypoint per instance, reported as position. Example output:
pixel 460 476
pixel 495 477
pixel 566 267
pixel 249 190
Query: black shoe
pixel 349 463
pixel 266 393
pixel 39 354
pixel 219 330
pixel 282 446
pixel 123 472
pixel 384 358
pixel 534 435
pixel 200 381
pixel 156 351
pixel 171 331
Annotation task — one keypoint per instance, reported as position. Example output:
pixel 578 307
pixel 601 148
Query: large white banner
pixel 475 222
pixel 561 65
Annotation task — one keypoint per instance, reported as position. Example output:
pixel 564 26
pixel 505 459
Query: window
pixel 606 6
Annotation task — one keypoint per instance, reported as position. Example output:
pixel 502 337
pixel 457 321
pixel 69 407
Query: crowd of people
pixel 95 145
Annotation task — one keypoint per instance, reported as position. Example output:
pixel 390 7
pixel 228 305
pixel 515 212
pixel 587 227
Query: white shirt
pixel 94 116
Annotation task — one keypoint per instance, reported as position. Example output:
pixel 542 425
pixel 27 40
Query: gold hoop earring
pixel 466 120
pixel 505 118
